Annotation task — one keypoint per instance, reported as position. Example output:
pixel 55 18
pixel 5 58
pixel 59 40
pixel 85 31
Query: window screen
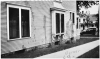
pixel 13 23
pixel 57 23
pixel 62 23
pixel 25 23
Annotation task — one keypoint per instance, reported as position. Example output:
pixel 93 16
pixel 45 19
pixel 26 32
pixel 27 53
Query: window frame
pixel 59 1
pixel 54 22
pixel 19 8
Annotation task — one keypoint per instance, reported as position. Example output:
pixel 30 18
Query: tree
pixel 86 4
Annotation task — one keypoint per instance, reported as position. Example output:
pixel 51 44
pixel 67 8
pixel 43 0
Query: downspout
pixel 45 27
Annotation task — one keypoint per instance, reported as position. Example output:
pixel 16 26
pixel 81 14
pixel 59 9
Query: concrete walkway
pixel 73 52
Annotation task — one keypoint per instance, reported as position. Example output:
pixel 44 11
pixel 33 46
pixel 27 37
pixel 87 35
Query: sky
pixel 92 10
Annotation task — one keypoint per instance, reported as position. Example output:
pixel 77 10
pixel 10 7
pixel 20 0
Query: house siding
pixel 41 24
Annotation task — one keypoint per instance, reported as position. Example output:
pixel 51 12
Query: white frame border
pixel 19 7
pixel 54 19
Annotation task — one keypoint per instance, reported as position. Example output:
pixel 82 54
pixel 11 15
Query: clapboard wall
pixel 41 24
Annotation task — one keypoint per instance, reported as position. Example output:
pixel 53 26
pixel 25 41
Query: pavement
pixel 48 50
pixel 94 53
pixel 74 52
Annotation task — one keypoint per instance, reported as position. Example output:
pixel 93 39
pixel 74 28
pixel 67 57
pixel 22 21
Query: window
pixel 25 23
pixel 62 23
pixel 79 20
pixel 59 23
pixel 77 23
pixel 84 20
pixel 18 21
pixel 82 12
pixel 72 16
pixel 13 23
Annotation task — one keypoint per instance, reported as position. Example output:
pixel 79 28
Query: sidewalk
pixel 94 53
pixel 44 51
pixel 73 52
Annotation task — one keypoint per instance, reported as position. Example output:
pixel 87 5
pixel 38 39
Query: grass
pixel 44 51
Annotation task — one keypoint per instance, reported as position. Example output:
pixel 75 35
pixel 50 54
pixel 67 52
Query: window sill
pixel 19 38
pixel 59 33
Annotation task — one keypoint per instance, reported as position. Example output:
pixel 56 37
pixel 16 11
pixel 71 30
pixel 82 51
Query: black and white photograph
pixel 50 29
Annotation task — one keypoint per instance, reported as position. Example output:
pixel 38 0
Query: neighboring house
pixel 82 22
pixel 26 24
pixel 92 19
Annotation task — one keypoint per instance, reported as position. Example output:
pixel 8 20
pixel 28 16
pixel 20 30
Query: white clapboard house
pixel 27 24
